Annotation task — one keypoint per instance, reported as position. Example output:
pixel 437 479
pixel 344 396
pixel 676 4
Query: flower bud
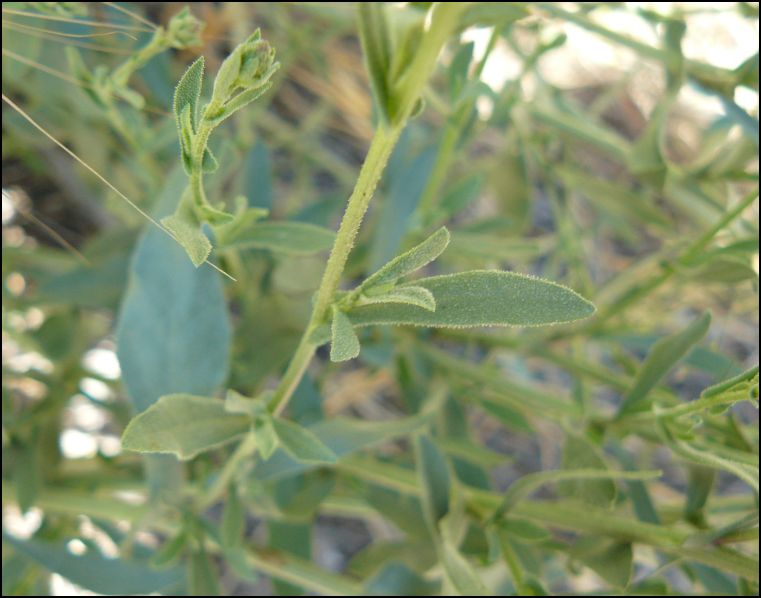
pixel 250 66
pixel 184 30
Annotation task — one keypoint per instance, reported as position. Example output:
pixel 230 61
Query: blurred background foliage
pixel 612 147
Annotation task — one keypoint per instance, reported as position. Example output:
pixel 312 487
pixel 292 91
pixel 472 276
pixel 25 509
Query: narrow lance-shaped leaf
pixel 409 261
pixel 292 238
pixel 662 357
pixel 188 91
pixel 460 573
pixel 376 47
pixel 184 425
pixel 344 344
pixel 433 472
pixel 96 572
pixel 520 489
pixel 417 296
pixel 233 520
pixel 302 444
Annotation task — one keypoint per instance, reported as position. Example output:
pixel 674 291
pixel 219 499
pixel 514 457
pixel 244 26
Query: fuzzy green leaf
pixel 188 91
pixel 302 444
pixel 344 344
pixel 409 261
pixel 417 296
pixel 292 238
pixel 184 425
pixel 662 357
pixel 210 163
pixel 186 229
pixel 482 298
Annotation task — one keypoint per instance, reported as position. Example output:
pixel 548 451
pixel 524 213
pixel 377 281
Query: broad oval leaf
pixel 302 444
pixel 173 334
pixel 482 298
pixel 184 425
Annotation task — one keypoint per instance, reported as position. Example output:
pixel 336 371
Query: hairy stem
pixel 375 162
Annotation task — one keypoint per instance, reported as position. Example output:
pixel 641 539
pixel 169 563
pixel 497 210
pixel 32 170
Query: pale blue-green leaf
pixel 344 344
pixel 301 443
pixel 184 425
pixel 96 573
pixel 173 333
pixel 662 357
pixel 257 177
pixel 293 238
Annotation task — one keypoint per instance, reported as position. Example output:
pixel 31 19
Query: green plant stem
pixel 200 140
pixel 245 449
pixel 375 162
